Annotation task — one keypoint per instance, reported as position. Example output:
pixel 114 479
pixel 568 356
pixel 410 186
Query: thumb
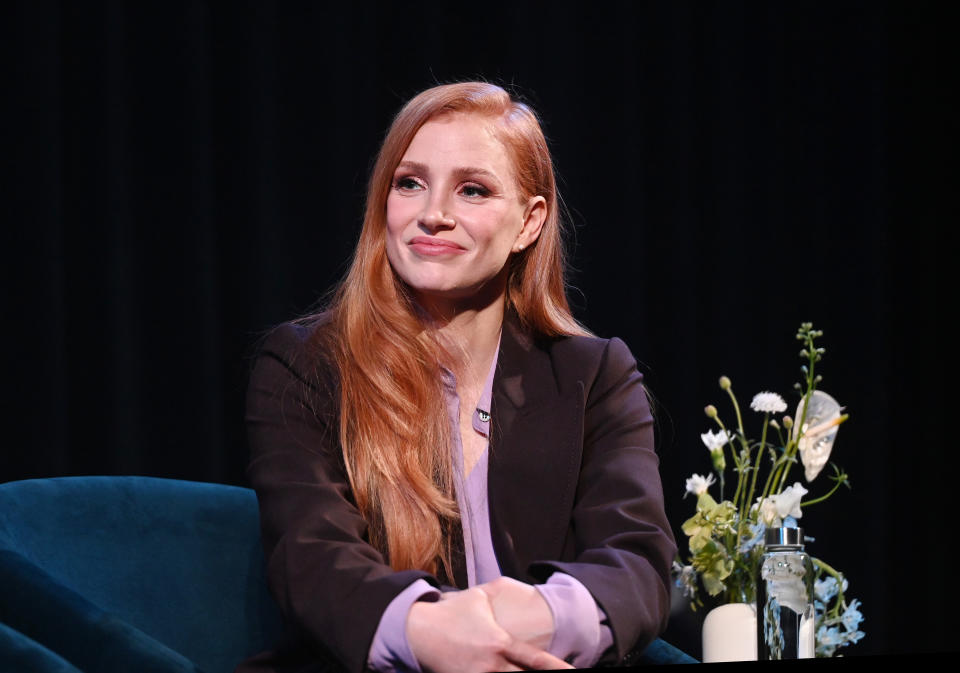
pixel 532 658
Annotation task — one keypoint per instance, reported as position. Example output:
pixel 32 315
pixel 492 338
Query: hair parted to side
pixel 394 426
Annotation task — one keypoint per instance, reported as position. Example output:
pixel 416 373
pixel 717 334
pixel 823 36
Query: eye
pixel 473 190
pixel 406 183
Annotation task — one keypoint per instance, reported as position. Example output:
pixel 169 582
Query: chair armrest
pixel 19 653
pixel 41 610
pixel 661 652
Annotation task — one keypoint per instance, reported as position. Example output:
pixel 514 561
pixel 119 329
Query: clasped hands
pixel 503 625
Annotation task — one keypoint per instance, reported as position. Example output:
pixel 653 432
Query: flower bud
pixel 787 422
pixel 774 424
pixel 710 411
pixel 724 383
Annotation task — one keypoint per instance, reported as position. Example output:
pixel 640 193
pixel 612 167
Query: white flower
pixel 698 485
pixel 787 502
pixel 766 402
pixel 766 510
pixel 715 441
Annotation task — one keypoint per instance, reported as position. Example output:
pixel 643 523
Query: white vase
pixel 730 633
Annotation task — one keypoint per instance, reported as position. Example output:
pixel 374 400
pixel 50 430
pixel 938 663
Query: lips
pixel 433 246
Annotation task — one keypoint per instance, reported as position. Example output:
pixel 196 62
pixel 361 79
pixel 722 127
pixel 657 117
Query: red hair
pixel 394 426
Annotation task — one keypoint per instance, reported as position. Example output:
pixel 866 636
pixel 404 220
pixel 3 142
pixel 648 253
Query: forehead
pixel 460 140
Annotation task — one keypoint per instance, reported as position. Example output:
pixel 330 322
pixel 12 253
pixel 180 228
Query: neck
pixel 470 332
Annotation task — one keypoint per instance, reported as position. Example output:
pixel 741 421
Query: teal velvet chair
pixel 139 574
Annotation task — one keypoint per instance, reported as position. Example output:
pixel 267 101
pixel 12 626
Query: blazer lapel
pixel 534 458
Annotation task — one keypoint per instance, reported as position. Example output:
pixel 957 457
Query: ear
pixel 534 215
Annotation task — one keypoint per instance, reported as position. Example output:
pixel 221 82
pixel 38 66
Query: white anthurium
pixel 819 432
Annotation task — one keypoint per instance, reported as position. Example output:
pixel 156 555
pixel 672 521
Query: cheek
pixel 394 216
pixel 402 210
pixel 501 230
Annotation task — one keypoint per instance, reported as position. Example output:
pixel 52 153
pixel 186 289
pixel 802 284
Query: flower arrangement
pixel 726 535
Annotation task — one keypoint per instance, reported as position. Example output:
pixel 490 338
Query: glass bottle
pixel 785 615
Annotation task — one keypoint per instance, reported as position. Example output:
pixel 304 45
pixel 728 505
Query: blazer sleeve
pixel 623 541
pixel 331 585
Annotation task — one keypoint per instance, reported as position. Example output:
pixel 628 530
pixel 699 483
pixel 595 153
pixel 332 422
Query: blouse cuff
pixel 581 633
pixel 390 650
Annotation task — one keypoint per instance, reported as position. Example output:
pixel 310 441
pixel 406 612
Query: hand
pixel 521 610
pixel 460 635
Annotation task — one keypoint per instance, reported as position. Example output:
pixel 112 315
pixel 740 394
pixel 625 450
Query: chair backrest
pixel 179 560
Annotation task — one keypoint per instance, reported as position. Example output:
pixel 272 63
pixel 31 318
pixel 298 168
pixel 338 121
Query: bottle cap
pixel 783 537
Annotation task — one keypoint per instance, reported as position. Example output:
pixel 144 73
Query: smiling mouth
pixel 431 246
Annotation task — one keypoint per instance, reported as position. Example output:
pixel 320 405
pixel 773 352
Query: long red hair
pixel 395 429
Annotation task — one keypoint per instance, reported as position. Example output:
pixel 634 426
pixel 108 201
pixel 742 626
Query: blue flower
pixel 686 579
pixel 852 617
pixel 854 636
pixel 756 535
pixel 829 636
pixel 826 589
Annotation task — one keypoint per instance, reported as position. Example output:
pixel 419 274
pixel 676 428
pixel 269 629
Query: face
pixel 455 214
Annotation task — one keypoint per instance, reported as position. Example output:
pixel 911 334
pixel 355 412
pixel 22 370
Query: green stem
pixel 826 566
pixel 736 408
pixel 734 455
pixel 720 473
pixel 740 464
pixel 822 497
pixel 835 610
pixel 776 462
pixel 773 472
pixel 800 422
pixel 756 469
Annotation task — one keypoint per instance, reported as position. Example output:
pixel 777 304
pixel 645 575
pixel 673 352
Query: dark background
pixel 180 176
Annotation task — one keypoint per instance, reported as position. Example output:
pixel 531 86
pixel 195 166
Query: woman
pixel 452 473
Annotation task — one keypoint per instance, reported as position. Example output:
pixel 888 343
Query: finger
pixel 532 658
pixel 508 666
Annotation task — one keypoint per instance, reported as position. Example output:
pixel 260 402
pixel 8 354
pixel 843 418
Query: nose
pixel 435 216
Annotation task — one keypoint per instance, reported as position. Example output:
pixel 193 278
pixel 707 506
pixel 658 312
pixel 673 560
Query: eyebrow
pixel 460 172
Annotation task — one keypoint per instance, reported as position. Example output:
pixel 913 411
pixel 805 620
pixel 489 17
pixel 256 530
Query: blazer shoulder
pixel 302 348
pixel 292 338
pixel 591 356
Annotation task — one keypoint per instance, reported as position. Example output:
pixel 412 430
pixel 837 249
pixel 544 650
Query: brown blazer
pixel 573 486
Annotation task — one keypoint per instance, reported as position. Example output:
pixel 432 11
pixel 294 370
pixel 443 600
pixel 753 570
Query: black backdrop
pixel 180 176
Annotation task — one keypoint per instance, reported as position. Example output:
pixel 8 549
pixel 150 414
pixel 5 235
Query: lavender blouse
pixel 581 634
